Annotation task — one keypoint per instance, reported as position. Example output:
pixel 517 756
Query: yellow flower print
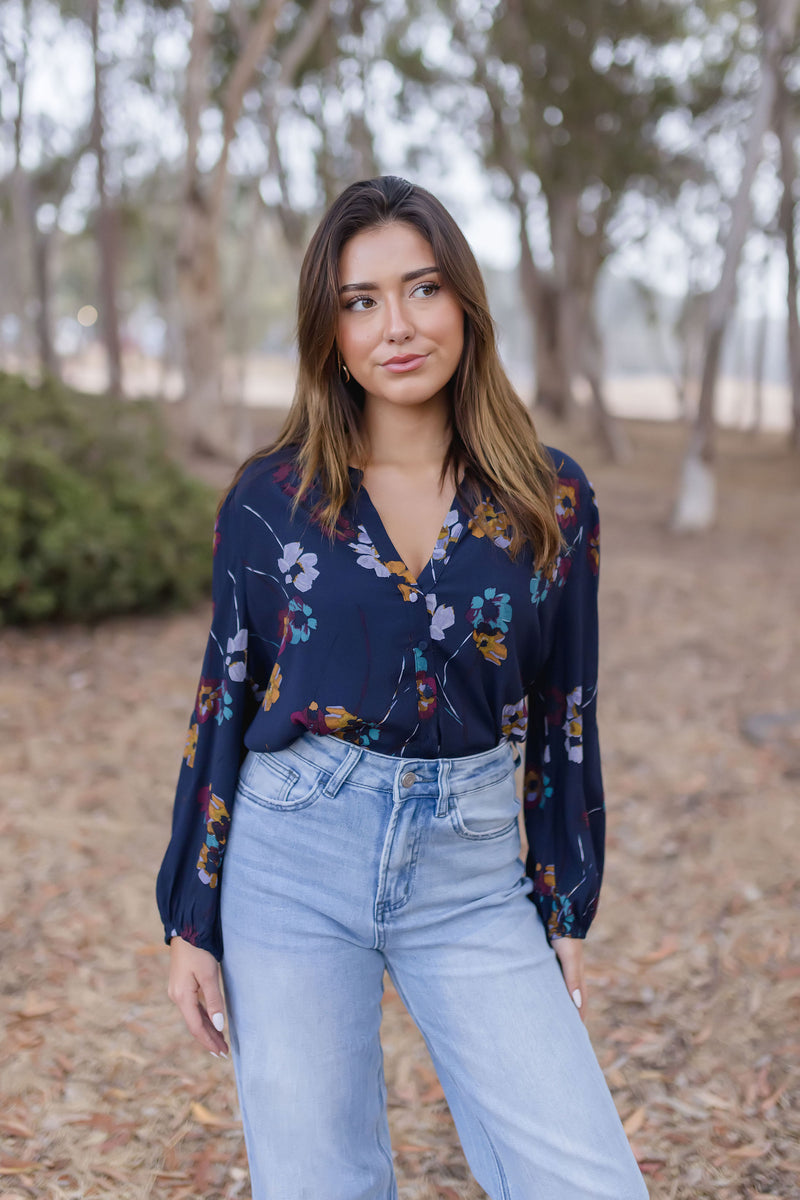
pixel 515 719
pixel 491 646
pixel 547 875
pixel 217 823
pixel 566 501
pixel 405 582
pixel 337 718
pixel 486 521
pixel 273 688
pixel 191 744
pixel 573 725
pixel 348 726
pixel 594 552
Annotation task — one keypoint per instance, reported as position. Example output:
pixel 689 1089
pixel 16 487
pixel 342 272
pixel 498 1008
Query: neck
pixel 416 436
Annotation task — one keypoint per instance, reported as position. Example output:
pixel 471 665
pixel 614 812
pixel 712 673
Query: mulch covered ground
pixel 694 959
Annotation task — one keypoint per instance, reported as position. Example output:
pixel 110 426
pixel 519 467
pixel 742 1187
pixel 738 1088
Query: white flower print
pixel 298 567
pixel 442 617
pixel 236 657
pixel 368 555
pixel 573 726
pixel 452 530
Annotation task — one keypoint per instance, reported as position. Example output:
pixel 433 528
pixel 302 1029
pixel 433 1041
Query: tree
pixel 204 199
pixel 786 217
pixel 567 104
pixel 106 223
pixel 696 504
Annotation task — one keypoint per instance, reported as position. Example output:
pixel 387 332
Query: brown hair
pixel 493 438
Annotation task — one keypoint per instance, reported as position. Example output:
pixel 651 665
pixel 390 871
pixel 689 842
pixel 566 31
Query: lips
pixel 404 362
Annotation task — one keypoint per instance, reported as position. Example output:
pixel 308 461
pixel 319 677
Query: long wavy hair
pixel 492 436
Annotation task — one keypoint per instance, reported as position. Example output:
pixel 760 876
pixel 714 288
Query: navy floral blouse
pixel 338 637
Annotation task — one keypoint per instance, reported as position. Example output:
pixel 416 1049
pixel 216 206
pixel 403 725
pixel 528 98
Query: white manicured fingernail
pixel 222 1054
pixel 577 997
pixel 218 1021
pixel 213 1053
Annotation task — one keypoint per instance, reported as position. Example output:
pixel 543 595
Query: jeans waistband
pixel 388 772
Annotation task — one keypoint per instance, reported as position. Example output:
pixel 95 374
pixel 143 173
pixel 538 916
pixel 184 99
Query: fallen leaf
pixel 15 1128
pixel 650 1166
pixel 10 1166
pixel 668 946
pixel 32 1008
pixel 753 1150
pixel 204 1116
pixel 635 1121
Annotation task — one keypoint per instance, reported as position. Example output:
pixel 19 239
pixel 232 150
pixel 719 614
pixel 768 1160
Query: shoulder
pixel 269 479
pixel 567 468
pixel 575 498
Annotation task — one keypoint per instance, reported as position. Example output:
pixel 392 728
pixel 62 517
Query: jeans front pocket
pixel 280 780
pixel 486 812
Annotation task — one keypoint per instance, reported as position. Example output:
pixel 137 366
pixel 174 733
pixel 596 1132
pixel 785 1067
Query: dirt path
pixel 694 958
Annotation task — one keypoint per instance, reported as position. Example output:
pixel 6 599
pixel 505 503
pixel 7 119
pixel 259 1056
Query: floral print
pixel 217 822
pixel 336 636
pixel 236 656
pixel 190 747
pixel 299 567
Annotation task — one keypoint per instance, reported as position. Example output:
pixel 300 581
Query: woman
pixel 404 587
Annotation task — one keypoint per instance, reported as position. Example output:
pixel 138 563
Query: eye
pixel 357 303
pixel 427 289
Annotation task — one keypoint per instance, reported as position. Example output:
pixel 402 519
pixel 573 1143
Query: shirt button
pixel 408 778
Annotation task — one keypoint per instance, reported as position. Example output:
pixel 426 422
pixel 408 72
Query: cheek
pixel 353 342
pixel 452 332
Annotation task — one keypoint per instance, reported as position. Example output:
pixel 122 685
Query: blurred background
pixel 626 173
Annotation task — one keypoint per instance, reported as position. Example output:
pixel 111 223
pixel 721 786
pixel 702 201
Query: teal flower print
pixel 492 609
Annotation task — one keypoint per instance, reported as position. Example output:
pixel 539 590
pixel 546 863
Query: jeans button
pixel 408 778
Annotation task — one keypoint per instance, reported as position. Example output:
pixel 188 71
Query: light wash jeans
pixel 342 862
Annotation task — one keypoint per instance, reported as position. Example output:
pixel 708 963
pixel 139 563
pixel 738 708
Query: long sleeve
pixel 188 882
pixel 564 810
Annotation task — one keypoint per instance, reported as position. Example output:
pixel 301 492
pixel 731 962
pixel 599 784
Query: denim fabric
pixel 342 863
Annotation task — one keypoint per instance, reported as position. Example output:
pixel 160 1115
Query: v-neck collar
pixel 388 550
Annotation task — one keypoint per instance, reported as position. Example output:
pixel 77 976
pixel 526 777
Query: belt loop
pixel 343 770
pixel 443 799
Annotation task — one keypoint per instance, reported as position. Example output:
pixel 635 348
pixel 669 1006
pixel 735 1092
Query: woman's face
pixel 401 327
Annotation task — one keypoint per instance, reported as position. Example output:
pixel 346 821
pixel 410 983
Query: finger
pixel 187 998
pixel 574 977
pixel 214 1007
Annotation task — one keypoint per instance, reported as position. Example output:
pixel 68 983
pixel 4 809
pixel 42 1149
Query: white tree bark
pixel 198 261
pixel 696 505
pixel 786 131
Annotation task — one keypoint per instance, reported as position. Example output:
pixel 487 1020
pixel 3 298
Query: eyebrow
pixel 373 287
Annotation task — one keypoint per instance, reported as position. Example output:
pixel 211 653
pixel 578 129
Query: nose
pixel 399 327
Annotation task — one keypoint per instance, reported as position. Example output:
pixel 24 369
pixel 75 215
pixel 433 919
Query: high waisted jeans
pixel 342 863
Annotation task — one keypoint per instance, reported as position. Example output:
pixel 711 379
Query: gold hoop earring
pixel 343 371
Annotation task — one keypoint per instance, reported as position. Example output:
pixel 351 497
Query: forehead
pixel 382 251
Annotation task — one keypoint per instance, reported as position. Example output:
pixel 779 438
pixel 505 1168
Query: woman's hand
pixel 194 987
pixel 570 956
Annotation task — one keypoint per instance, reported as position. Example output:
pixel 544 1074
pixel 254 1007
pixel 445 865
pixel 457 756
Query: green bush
pixel 95 517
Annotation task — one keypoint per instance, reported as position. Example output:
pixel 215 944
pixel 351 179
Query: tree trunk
pixel 696 505
pixel 612 432
pixel 198 263
pixel 786 216
pixel 43 241
pixel 759 363
pixel 106 225
pixel 21 204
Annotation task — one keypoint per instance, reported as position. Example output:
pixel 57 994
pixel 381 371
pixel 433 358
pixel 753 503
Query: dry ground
pixel 694 958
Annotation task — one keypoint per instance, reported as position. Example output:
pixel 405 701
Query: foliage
pixel 95 517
